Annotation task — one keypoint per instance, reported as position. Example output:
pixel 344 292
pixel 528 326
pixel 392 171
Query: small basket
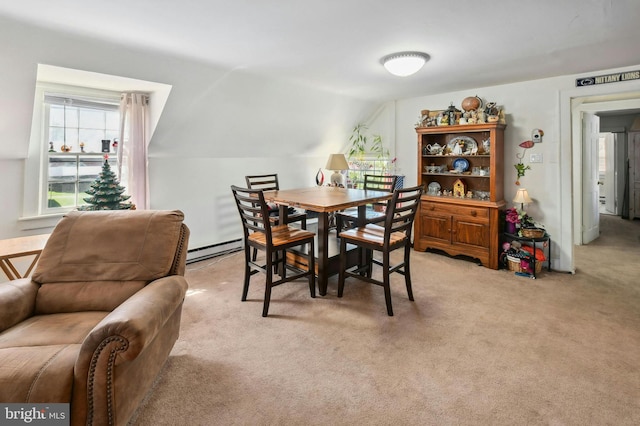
pixel 513 263
pixel 532 232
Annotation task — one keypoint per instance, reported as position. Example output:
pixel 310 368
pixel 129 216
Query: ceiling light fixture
pixel 404 64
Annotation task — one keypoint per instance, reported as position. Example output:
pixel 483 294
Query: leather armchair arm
pixel 123 353
pixel 135 323
pixel 17 301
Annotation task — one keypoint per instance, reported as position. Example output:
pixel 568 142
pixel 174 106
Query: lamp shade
pixel 337 162
pixel 404 64
pixel 522 197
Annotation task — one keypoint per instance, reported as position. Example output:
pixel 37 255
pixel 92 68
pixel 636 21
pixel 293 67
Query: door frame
pixel 583 105
pixel 609 97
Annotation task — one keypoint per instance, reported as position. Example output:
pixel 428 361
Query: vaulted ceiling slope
pixel 336 45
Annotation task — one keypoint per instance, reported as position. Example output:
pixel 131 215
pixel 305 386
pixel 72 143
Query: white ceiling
pixel 337 44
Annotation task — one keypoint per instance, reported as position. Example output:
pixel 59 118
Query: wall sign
pixel 608 78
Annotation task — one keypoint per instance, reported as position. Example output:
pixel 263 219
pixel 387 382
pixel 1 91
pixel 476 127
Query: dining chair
pixel 261 234
pixel 394 235
pixel 348 218
pixel 269 182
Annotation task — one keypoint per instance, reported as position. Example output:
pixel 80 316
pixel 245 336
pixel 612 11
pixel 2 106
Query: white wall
pixel 217 126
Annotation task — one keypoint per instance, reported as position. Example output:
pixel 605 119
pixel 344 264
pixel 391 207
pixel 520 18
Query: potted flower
pixel 519 222
pixel 512 220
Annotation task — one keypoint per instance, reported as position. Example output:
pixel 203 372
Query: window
pixel 69 176
pixel 367 166
pixel 78 132
pixel 72 106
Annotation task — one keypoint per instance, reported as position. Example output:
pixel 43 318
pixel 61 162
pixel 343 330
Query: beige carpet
pixel 477 347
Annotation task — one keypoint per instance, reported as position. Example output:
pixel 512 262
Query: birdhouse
pixel 459 188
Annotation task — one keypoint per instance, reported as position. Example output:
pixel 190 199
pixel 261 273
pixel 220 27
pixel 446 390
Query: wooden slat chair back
pixel 380 182
pixel 269 182
pixel 259 233
pixel 348 217
pixel 395 234
pixel 265 182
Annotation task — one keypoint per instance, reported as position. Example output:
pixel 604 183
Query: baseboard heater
pixel 207 252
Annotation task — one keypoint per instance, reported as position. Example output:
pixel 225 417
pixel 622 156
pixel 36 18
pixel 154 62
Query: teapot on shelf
pixel 434 149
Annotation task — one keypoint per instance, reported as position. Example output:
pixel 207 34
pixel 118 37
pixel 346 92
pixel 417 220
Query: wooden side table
pixel 20 247
pixel 545 240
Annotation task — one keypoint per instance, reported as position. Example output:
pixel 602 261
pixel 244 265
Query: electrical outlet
pixel 535 158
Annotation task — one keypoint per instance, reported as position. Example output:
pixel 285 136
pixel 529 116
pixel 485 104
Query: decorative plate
pixel 461 165
pixel 466 145
pixel 433 188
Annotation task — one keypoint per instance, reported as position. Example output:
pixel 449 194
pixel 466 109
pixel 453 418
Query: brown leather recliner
pixel 97 321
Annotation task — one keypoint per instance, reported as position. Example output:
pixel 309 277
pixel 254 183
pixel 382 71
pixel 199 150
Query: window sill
pixel 39 222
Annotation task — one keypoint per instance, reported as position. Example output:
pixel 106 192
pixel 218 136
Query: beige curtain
pixel 134 142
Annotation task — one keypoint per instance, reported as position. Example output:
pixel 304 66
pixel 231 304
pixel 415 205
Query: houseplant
pixel 362 149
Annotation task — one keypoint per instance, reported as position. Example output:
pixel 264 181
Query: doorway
pixel 574 101
pixel 607 133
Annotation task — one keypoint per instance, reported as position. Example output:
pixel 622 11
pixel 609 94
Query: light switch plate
pixel 535 158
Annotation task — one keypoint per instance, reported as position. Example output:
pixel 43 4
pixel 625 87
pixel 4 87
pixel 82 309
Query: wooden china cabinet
pixel 462 170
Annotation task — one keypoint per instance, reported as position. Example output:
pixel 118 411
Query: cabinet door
pixel 470 232
pixel 436 227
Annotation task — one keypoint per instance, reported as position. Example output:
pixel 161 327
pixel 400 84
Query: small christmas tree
pixel 106 192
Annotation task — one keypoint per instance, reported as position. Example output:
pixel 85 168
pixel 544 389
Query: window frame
pixel 37 163
pixel 72 101
pixel 371 164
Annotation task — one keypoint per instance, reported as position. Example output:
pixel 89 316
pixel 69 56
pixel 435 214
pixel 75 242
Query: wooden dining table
pixel 19 247
pixel 325 200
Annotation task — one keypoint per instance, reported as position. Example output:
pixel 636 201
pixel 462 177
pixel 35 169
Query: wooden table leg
pixel 5 268
pixel 323 252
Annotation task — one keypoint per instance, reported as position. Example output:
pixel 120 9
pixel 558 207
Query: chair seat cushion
pixel 372 234
pixel 37 374
pixel 38 355
pixel 54 329
pixel 282 235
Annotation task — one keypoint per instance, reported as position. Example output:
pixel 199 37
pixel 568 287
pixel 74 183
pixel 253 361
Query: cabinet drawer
pixel 454 209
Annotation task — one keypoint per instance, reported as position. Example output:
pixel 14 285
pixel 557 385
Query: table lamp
pixel 522 197
pixel 337 163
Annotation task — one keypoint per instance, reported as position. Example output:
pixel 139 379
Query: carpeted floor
pixel 477 347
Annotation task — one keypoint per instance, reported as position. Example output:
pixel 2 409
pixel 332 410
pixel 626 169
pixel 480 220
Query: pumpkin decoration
pixel 471 103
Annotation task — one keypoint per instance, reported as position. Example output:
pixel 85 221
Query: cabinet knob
pixel 474 213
